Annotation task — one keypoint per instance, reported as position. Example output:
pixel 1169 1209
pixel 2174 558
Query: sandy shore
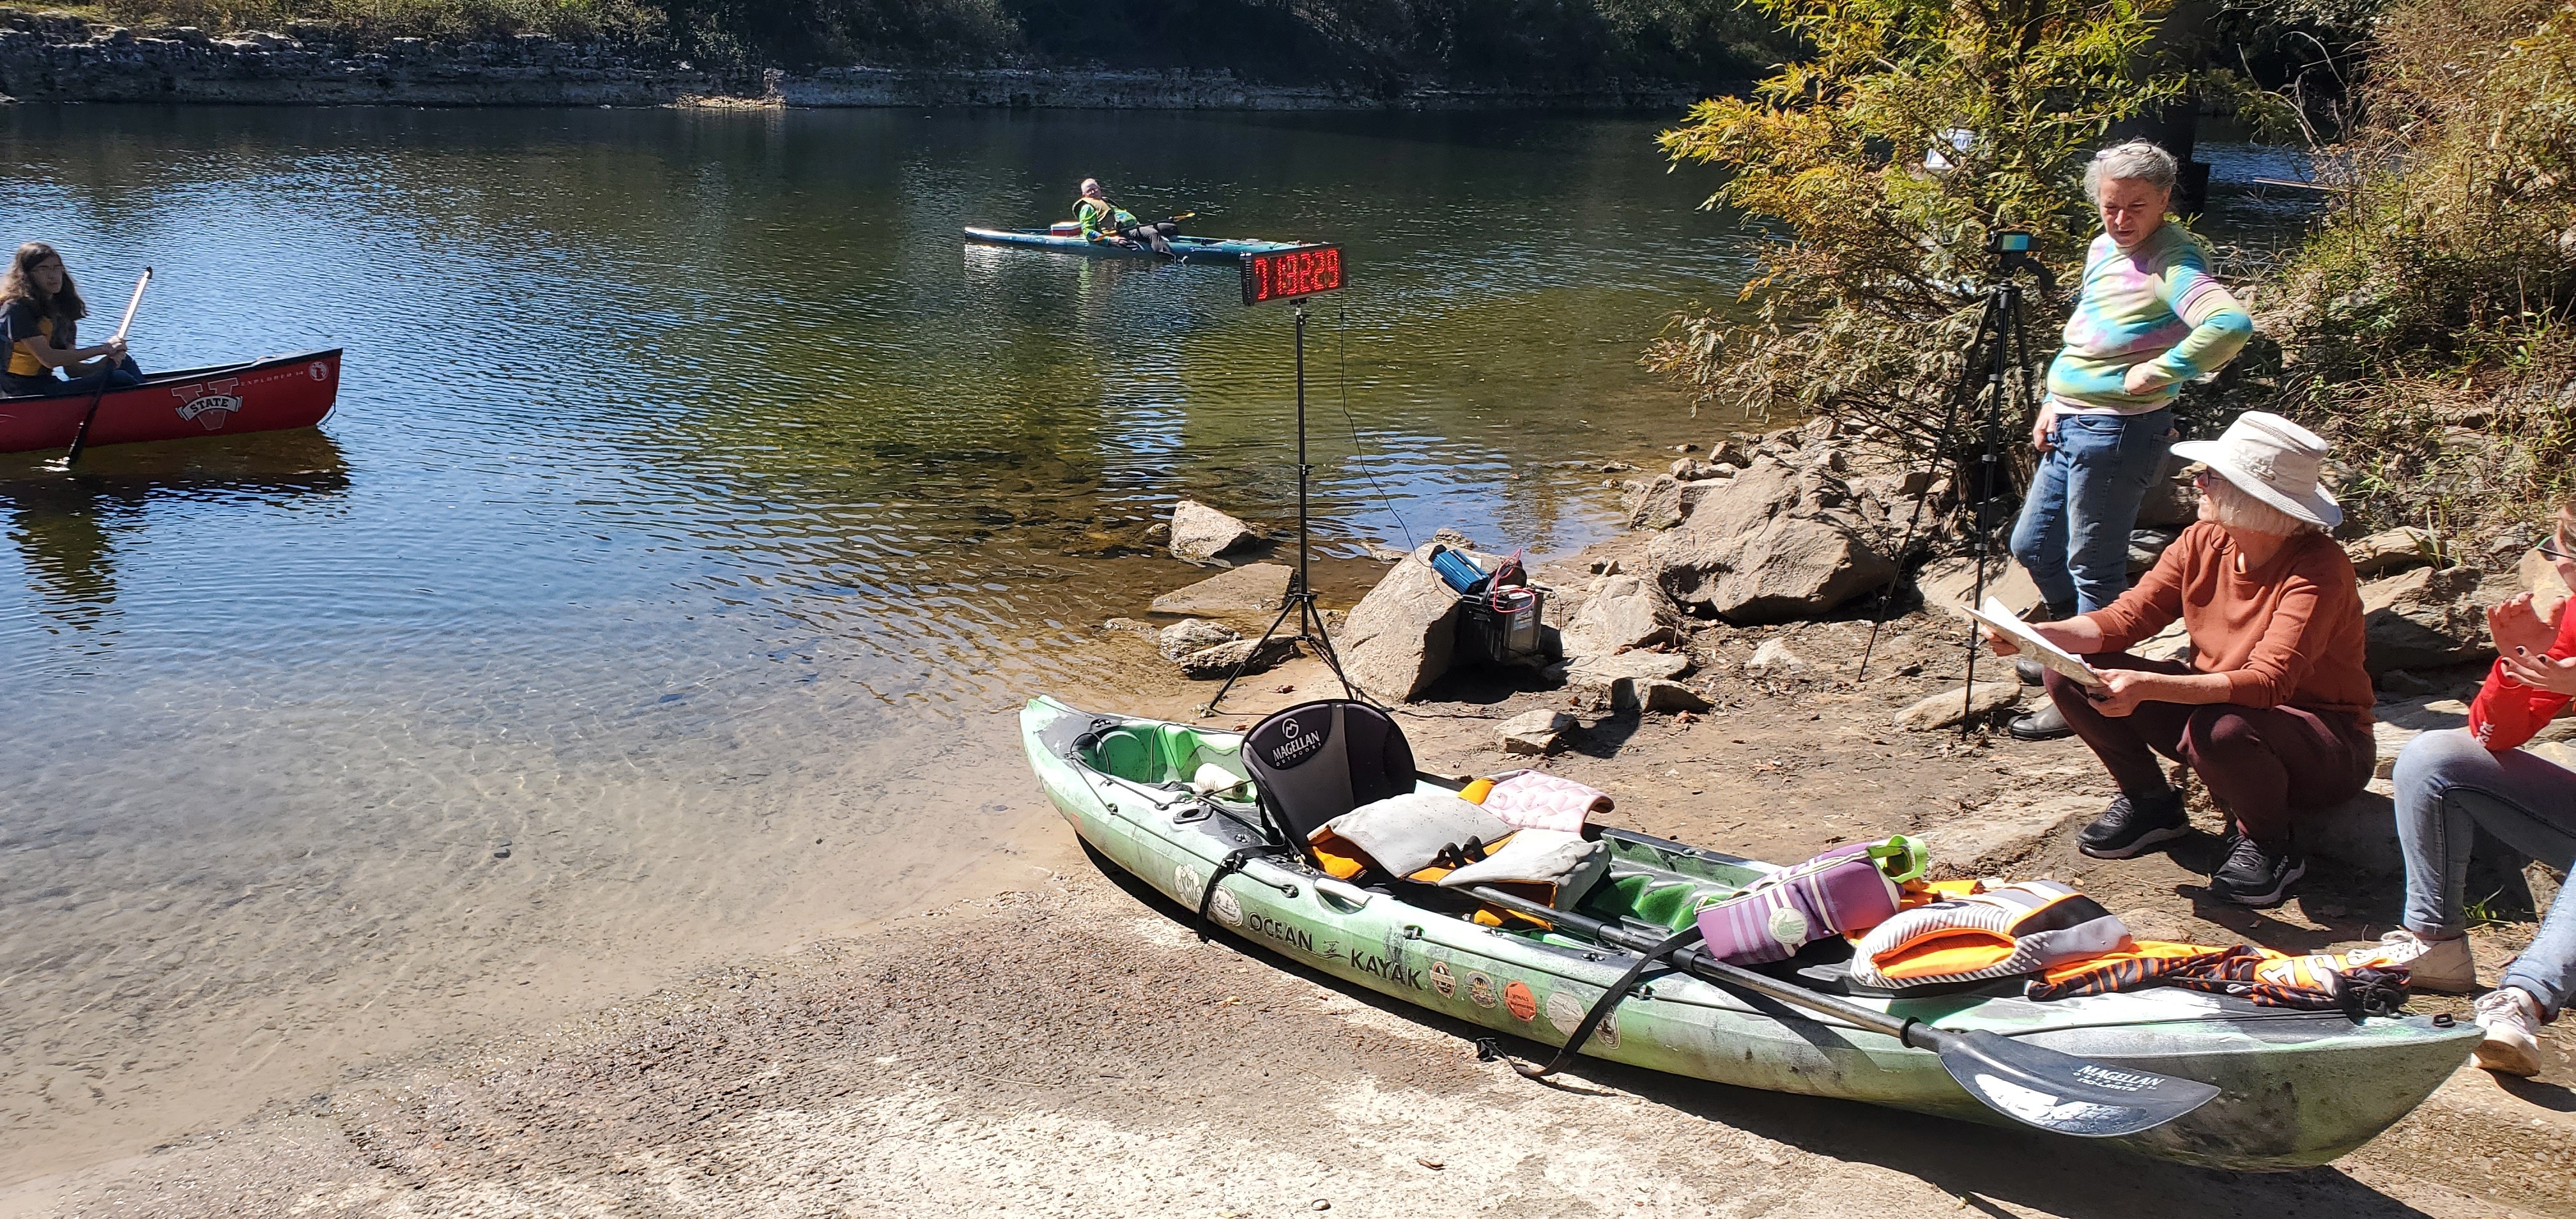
pixel 1053 1041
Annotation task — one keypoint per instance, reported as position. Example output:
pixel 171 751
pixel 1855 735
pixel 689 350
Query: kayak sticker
pixel 1227 910
pixel 1480 990
pixel 1566 1013
pixel 1519 1001
pixel 1563 1012
pixel 1187 883
pixel 1442 980
pixel 320 371
pixel 208 402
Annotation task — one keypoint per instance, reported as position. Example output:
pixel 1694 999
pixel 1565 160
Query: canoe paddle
pixel 80 438
pixel 2030 1084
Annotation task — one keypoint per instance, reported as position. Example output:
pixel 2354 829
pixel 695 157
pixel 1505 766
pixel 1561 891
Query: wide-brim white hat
pixel 2273 460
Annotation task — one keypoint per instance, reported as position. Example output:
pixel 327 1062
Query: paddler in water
pixel 1106 221
pixel 40 313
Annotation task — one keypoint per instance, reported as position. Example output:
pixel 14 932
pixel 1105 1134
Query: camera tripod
pixel 1300 599
pixel 2001 343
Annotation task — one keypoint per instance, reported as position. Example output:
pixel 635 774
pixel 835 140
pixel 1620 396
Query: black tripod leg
pixel 1245 664
pixel 1905 544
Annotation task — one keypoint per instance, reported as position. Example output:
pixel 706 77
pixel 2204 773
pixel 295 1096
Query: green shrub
pixel 1862 308
pixel 2427 322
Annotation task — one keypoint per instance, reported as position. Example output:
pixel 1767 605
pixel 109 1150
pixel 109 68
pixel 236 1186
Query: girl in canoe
pixel 40 313
pixel 1106 221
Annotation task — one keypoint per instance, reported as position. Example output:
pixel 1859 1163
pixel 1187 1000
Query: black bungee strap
pixel 1488 1049
pixel 1232 864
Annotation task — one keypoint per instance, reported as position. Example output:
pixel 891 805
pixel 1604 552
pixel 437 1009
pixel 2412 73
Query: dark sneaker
pixel 2134 825
pixel 2256 875
pixel 2031 672
pixel 2045 724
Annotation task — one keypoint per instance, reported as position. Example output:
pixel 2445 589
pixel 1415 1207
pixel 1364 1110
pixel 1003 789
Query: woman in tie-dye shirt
pixel 2149 317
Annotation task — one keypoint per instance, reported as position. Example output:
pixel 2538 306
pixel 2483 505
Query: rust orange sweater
pixel 2286 633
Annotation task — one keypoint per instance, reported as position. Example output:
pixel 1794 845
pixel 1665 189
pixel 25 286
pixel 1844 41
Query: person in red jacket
pixel 2451 782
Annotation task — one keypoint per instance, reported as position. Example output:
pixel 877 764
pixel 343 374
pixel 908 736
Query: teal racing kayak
pixel 2298 1088
pixel 1189 249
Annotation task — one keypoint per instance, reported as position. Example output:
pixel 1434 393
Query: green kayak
pixel 2297 1088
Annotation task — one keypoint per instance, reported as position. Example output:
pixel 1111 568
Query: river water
pixel 693 505
pixel 695 509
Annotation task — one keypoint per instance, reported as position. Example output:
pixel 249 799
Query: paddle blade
pixel 2060 1092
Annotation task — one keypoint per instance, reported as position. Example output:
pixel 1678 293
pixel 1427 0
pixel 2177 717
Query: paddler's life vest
pixel 2010 929
pixel 1101 219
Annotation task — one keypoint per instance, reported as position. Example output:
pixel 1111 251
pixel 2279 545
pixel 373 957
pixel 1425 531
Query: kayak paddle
pixel 2030 1084
pixel 80 438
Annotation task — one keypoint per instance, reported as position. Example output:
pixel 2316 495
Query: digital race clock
pixel 1289 274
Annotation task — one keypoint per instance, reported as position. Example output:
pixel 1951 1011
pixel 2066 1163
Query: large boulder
pixel 2171 501
pixel 1622 612
pixel 1400 637
pixel 1251 588
pixel 2426 618
pixel 1772 544
pixel 1201 533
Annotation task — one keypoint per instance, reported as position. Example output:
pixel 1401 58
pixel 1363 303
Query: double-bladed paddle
pixel 80 438
pixel 2030 1084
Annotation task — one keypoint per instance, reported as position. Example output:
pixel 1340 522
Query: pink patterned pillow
pixel 1533 801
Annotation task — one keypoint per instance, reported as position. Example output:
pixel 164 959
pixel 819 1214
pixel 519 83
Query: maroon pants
pixel 2264 765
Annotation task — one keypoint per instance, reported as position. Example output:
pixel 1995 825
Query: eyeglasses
pixel 2556 548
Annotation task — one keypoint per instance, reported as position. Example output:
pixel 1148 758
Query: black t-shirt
pixel 20 323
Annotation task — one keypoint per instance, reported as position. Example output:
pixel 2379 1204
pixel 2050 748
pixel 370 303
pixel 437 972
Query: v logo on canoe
pixel 209 402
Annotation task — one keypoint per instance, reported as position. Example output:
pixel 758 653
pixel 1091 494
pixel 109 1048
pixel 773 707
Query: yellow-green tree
pixel 1911 131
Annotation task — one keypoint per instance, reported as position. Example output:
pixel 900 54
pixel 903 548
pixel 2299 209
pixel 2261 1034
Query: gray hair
pixel 2236 508
pixel 2135 160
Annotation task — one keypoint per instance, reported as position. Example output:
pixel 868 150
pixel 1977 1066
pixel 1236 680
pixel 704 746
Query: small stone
pixel 1658 695
pixel 1534 732
pixel 1432 1164
pixel 1322 1205
pixel 1201 533
pixel 1242 655
pixel 501 852
pixel 1774 659
pixel 1192 635
pixel 1949 707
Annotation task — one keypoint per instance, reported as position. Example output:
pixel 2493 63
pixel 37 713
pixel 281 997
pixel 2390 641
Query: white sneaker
pixel 2442 965
pixel 2512 1023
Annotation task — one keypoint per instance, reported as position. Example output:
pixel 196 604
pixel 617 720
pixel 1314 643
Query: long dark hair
pixel 19 286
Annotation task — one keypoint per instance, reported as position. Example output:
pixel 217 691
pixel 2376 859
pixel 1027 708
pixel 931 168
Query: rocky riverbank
pixel 57 57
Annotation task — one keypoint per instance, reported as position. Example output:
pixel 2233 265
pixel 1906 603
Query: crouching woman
pixel 2450 783
pixel 2273 711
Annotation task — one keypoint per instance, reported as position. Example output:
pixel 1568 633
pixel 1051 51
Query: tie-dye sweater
pixel 2157 305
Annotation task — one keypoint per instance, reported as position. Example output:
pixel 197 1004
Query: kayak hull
pixel 1189 249
pixel 263 395
pixel 2298 1088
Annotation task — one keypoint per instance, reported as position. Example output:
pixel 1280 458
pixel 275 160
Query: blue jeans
pixel 2447 786
pixel 2073 535
pixel 121 375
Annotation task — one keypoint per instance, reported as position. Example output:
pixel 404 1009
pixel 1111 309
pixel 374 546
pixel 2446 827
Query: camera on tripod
pixel 2012 251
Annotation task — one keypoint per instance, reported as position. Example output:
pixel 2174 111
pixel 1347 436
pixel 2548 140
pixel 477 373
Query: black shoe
pixel 2256 875
pixel 2046 724
pixel 2132 825
pixel 2031 672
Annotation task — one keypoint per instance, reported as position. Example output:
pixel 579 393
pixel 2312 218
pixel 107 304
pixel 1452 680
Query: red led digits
pixel 1289 274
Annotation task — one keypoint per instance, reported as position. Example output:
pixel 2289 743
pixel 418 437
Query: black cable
pixel 1359 452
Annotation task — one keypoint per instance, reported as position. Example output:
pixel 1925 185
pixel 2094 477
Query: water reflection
pixel 66 524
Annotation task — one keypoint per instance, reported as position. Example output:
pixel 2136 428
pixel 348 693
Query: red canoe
pixel 262 395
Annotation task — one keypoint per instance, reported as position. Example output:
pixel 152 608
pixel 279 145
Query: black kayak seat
pixel 1316 761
